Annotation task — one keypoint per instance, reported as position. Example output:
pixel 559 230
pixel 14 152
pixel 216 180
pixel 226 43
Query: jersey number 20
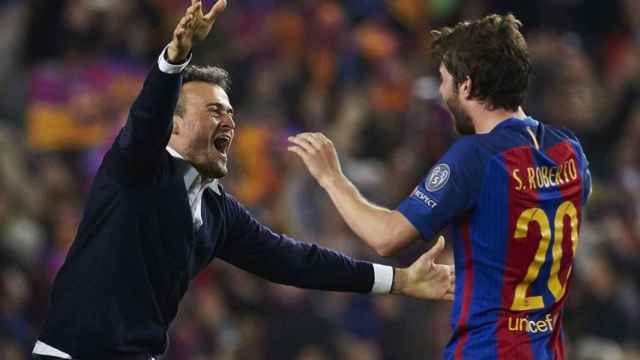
pixel 520 299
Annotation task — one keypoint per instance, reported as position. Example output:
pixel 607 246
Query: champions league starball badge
pixel 437 178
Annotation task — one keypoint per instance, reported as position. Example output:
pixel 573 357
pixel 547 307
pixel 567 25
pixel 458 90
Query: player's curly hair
pixel 492 53
pixel 210 74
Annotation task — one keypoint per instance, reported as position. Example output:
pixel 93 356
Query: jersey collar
pixel 528 121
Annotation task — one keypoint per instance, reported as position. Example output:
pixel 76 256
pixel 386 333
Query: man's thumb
pixel 436 249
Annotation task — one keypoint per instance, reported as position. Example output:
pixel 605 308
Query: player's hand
pixel 194 26
pixel 318 154
pixel 425 279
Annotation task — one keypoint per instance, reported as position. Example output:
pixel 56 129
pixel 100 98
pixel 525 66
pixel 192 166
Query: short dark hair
pixel 492 53
pixel 210 74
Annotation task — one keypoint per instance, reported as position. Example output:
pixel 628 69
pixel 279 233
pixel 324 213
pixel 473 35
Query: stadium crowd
pixel 356 70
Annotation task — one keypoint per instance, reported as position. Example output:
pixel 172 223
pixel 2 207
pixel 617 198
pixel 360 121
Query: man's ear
pixel 177 124
pixel 465 88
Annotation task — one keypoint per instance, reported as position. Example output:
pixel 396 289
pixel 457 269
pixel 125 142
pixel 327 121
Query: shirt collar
pixel 191 175
pixel 527 121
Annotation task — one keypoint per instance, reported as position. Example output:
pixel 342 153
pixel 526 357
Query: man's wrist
pixel 174 56
pixel 168 67
pixel 333 183
pixel 400 277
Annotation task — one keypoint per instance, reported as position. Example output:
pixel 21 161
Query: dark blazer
pixel 136 249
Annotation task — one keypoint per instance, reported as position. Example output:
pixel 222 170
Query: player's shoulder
pixel 474 150
pixel 464 158
pixel 557 134
pixel 465 147
pixel 561 133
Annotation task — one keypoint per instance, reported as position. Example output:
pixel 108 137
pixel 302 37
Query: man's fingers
pixel 182 25
pixel 324 138
pixel 312 140
pixel 188 20
pixel 183 21
pixel 197 8
pixel 451 269
pixel 193 7
pixel 299 151
pixel 324 142
pixel 319 138
pixel 185 25
pixel 302 142
pixel 450 294
pixel 217 8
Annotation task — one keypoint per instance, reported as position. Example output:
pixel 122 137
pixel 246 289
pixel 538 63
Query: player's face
pixel 207 127
pixel 451 96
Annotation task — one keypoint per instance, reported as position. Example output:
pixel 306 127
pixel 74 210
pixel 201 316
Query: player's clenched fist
pixel 195 25
pixel 318 154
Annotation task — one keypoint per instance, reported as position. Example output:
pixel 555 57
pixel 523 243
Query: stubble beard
pixel 461 121
pixel 210 166
pixel 216 169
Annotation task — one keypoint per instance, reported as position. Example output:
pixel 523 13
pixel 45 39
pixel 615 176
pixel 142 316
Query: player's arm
pixel 278 258
pixel 385 230
pixel 448 191
pixel 148 127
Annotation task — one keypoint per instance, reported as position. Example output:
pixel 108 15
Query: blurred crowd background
pixel 357 70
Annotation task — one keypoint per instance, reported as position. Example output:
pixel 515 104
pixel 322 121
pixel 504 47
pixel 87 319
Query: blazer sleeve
pixel 278 258
pixel 142 140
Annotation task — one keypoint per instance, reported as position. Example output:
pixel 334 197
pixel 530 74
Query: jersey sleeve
pixel 585 172
pixel 586 176
pixel 449 189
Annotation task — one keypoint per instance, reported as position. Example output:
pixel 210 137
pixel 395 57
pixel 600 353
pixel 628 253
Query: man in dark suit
pixel 156 216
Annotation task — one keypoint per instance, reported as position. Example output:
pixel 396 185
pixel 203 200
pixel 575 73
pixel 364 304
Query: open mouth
pixel 222 143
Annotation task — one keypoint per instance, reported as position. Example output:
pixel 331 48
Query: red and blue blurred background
pixel 357 70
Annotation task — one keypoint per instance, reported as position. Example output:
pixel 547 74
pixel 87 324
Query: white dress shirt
pixel 195 185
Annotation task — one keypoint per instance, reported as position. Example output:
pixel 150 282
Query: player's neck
pixel 485 120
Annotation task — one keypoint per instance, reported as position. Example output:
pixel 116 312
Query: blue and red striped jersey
pixel 514 198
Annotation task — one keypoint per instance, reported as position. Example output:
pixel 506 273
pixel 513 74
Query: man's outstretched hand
pixel 425 279
pixel 194 26
pixel 319 156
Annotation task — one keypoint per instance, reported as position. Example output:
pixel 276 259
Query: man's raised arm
pixel 149 124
